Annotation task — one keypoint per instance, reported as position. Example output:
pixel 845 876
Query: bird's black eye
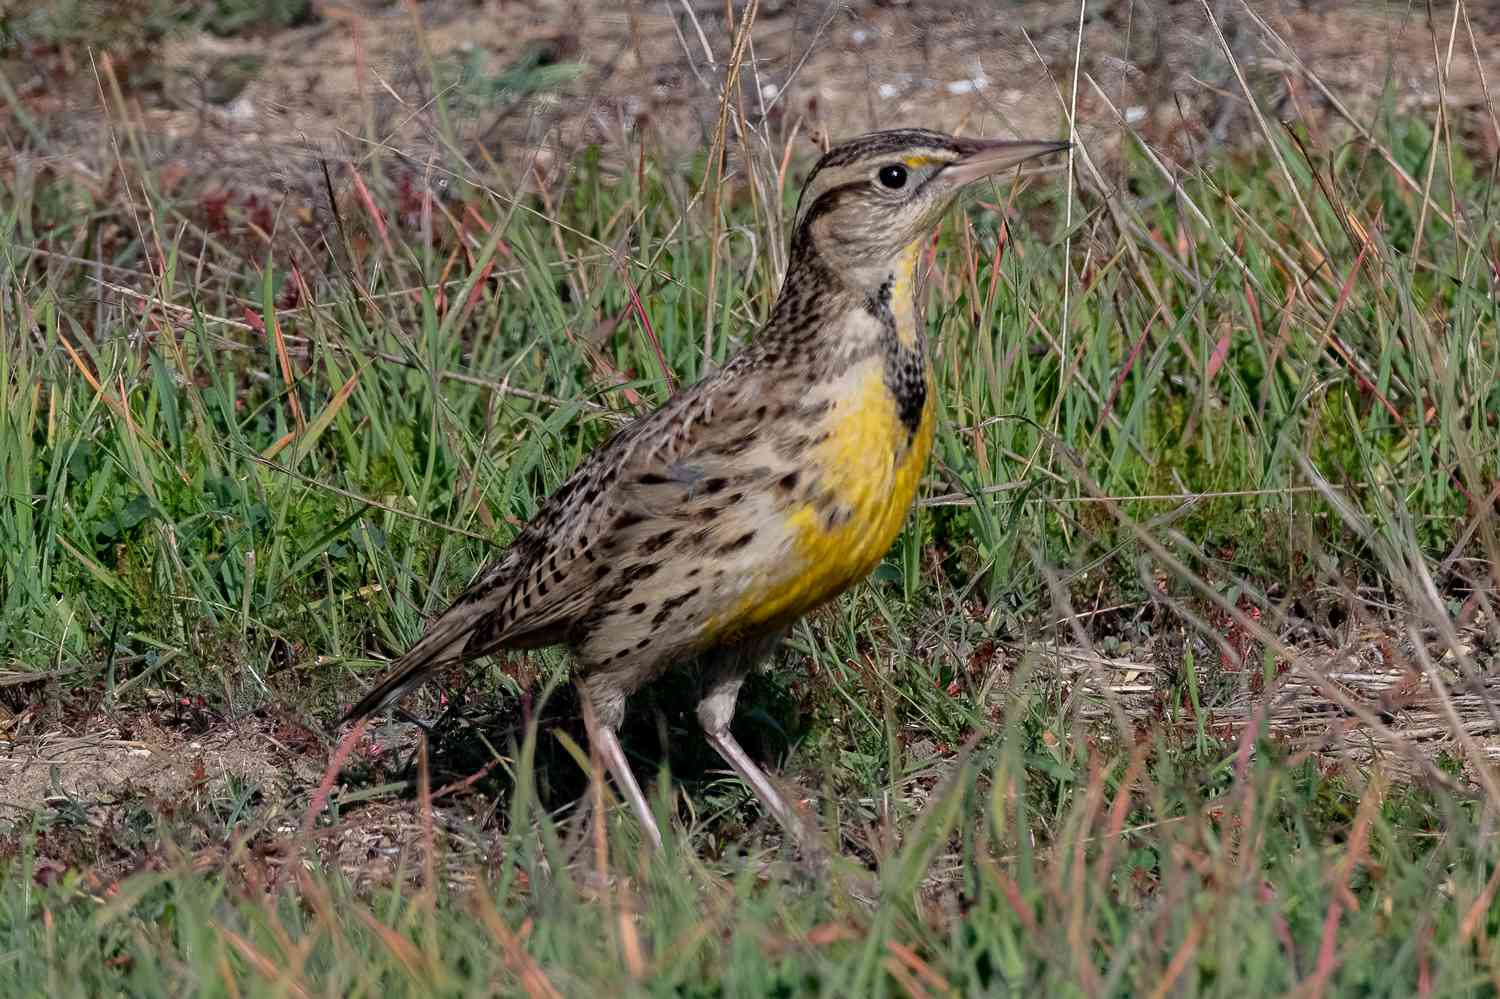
pixel 893 176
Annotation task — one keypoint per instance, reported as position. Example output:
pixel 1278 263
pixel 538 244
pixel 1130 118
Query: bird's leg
pixel 714 713
pixel 604 739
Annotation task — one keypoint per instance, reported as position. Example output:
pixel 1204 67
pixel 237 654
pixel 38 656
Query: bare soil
pixel 259 114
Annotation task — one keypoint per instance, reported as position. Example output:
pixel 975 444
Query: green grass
pixel 1053 885
pixel 247 478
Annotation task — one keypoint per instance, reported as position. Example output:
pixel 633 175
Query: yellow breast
pixel 871 463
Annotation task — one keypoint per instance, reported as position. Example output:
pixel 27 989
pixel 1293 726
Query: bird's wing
pixel 579 542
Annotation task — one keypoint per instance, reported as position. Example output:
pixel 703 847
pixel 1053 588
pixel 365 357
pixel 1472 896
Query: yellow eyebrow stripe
pixel 917 162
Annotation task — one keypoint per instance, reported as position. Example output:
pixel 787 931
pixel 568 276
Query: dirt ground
pixel 93 778
pixel 259 113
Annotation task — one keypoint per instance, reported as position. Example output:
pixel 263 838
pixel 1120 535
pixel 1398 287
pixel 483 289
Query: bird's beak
pixel 986 157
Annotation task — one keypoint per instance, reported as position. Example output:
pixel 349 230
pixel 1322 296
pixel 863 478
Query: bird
pixel 691 541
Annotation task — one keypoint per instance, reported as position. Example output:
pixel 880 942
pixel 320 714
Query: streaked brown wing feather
pixel 547 581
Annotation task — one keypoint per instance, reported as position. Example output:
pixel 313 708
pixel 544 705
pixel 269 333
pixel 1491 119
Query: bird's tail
pixel 443 644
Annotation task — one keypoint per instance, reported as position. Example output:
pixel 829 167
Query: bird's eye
pixel 893 176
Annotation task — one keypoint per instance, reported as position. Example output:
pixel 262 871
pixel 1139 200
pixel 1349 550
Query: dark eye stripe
pixel 829 200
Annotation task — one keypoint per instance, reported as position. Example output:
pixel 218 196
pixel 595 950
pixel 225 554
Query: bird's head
pixel 871 199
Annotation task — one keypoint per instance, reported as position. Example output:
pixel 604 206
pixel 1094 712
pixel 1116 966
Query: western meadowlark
pixel 699 533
